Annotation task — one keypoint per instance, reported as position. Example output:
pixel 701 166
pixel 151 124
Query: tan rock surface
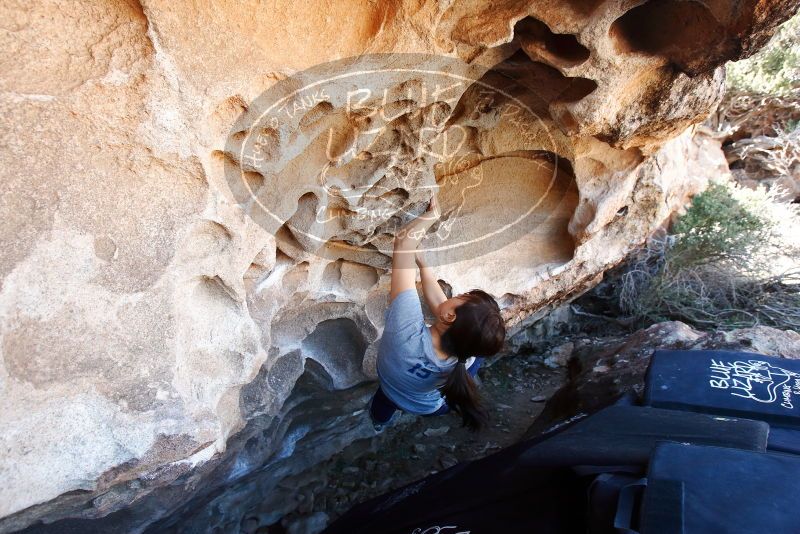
pixel 147 316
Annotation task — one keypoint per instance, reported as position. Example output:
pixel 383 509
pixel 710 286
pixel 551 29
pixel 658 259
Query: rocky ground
pixel 579 370
pixel 516 387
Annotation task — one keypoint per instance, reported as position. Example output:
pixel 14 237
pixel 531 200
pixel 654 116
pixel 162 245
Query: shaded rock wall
pixel 155 333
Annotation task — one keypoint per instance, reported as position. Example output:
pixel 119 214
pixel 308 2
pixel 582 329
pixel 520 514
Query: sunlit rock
pixel 164 339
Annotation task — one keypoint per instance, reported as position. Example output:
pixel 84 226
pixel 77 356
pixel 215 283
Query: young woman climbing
pixel 429 370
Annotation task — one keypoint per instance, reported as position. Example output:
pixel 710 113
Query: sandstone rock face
pixel 160 341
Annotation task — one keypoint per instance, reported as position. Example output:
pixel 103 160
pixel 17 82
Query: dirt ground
pixel 515 387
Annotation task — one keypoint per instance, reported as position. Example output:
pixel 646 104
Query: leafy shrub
pixel 774 68
pixel 721 225
pixel 720 266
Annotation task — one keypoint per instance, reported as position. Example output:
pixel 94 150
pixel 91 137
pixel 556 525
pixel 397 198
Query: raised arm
pixel 404 268
pixel 430 286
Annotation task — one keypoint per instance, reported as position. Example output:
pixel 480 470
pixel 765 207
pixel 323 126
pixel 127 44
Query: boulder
pixel 166 338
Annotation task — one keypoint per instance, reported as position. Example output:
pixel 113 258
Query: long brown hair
pixel 478 330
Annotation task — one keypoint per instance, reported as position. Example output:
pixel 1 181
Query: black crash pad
pixel 533 486
pixel 704 490
pixel 740 384
pixel 624 435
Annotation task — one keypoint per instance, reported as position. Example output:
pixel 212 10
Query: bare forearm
pixel 410 235
pixel 431 289
pixel 406 241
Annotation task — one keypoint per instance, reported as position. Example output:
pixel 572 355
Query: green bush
pixel 719 227
pixel 773 69
pixel 718 266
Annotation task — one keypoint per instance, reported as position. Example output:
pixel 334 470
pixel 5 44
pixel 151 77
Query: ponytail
pixel 477 330
pixel 462 395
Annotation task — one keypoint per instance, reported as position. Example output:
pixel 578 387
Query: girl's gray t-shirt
pixel 409 370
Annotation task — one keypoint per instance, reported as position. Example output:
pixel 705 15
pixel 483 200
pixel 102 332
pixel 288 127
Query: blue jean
pixel 381 408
